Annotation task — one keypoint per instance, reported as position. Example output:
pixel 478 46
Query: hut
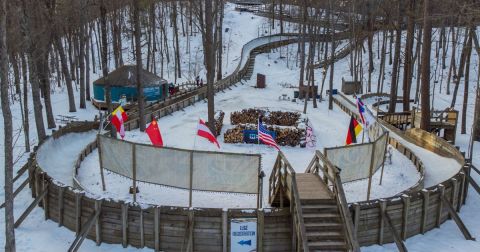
pixel 123 84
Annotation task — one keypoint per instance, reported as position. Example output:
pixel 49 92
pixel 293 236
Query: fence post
pixel 406 209
pixel 156 224
pixel 124 223
pixel 260 229
pixel 426 199
pixel 60 205
pixel 98 208
pixel 382 205
pixel 224 230
pixel 142 231
pixel 441 190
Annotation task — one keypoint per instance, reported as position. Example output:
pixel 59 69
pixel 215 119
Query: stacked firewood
pixel 290 136
pixel 272 118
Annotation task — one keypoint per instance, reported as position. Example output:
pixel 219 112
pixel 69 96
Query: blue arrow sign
pixel 243 242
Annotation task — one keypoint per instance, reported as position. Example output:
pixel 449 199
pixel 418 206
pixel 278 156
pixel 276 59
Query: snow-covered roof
pixel 127 76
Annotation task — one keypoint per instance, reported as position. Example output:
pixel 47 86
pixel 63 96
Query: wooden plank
pixel 441 189
pixel 356 223
pixel 406 209
pixel 78 212
pixel 454 192
pixel 31 207
pixel 426 197
pixel 60 205
pixel 224 230
pixel 398 241
pixel 142 231
pixel 157 228
pixel 260 229
pixel 98 237
pixel 462 190
pixel 382 205
pixel 457 220
pixel 124 208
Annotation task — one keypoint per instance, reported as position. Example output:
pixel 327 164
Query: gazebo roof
pixel 127 76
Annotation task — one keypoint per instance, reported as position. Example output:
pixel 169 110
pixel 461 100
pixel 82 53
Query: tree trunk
pixel 461 68
pixel 302 49
pixel 81 58
pixel 426 50
pixel 8 132
pixel 108 95
pixel 408 67
pixel 26 120
pixel 332 60
pixel 396 66
pixel 138 56
pixel 209 62
pixel 220 41
pixel 66 73
pixel 466 86
pixel 476 119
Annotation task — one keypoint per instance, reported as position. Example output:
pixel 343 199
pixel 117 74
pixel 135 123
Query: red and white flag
pixel 204 131
pixel 118 118
pixel 153 132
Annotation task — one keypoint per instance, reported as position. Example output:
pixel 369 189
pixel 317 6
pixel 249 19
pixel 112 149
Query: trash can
pixel 296 94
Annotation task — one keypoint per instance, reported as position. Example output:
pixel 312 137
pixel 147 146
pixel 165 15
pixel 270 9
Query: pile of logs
pixel 290 136
pixel 269 117
pixel 219 115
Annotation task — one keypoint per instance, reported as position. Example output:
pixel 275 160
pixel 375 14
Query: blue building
pixel 123 82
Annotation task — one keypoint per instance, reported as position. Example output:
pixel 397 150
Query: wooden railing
pixel 282 180
pixel 331 176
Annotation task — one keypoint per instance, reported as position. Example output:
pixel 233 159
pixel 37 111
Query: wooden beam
pixel 83 233
pixel 426 199
pixel 441 193
pixel 382 205
pixel 78 212
pixel 260 229
pixel 156 226
pixel 61 190
pixel 462 190
pixel 142 229
pixel 398 241
pixel 406 209
pixel 31 207
pixel 457 220
pixel 124 207
pixel 356 206
pixel 98 208
pixel 224 230
pixel 19 189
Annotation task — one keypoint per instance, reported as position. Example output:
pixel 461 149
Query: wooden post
pixel 441 193
pixel 124 223
pixel 98 208
pixel 454 192
pixel 356 218
pixel 383 205
pixel 60 205
pixel 426 199
pixel 462 190
pixel 406 209
pixel 383 162
pixel 134 171
pixel 260 229
pixel 224 230
pixel 191 223
pixel 142 231
pixel 156 225
pixel 78 212
pixel 191 180
pixel 370 173
pixel 101 162
pixel 38 190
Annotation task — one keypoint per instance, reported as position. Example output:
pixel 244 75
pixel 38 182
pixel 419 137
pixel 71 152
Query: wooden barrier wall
pixel 158 227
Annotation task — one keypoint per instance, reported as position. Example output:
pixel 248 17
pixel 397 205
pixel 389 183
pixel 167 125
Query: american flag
pixel 265 137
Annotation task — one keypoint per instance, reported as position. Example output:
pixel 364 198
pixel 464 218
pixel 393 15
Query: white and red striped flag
pixel 118 118
pixel 204 131
pixel 265 137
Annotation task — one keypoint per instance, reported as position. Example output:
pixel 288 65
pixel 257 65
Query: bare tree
pixel 426 50
pixel 138 57
pixel 8 132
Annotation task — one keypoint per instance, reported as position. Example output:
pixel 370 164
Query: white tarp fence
pixel 356 160
pixel 206 171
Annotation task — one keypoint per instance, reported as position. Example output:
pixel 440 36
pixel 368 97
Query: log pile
pixel 280 118
pixel 285 136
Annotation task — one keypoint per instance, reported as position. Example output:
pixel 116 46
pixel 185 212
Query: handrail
pixel 331 176
pixel 278 181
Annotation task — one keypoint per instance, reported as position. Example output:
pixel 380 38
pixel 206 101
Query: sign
pixel 251 136
pixel 243 235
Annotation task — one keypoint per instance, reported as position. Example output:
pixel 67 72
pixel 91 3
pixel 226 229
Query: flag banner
pixel 204 131
pixel 251 136
pixel 354 130
pixel 264 137
pixel 153 132
pixel 118 118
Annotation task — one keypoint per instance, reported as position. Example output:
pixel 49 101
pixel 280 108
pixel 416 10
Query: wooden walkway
pixel 311 187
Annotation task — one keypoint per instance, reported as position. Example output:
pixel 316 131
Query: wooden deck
pixel 311 187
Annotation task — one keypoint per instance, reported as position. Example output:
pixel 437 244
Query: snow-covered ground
pixel 36 234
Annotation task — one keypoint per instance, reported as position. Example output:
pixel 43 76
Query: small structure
pixel 351 87
pixel 123 83
pixel 260 80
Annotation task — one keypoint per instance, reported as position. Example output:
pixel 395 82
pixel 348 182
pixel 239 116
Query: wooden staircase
pixel 320 214
pixel 323 223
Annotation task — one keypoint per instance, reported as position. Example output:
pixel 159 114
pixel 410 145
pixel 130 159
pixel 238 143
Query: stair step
pixel 319 208
pixel 326 216
pixel 325 235
pixel 319 226
pixel 326 245
pixel 318 202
